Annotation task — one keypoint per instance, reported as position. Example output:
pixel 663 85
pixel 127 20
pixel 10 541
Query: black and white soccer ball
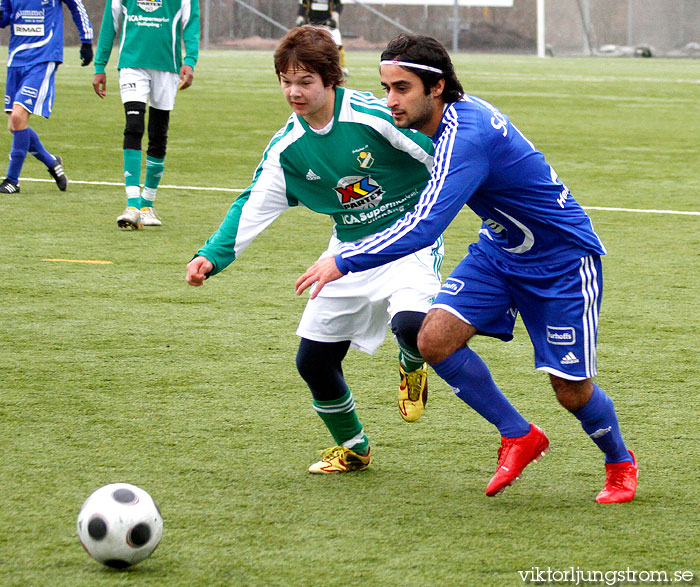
pixel 120 525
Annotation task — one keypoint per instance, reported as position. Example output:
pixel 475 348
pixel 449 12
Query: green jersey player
pixel 340 154
pixel 151 70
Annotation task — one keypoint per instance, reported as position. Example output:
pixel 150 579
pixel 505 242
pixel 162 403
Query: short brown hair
pixel 312 49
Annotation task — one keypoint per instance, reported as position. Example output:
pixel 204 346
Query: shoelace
pixel 413 381
pixel 618 476
pixel 504 449
pixel 336 451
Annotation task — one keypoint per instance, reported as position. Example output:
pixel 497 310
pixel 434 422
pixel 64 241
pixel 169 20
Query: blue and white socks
pixel 471 381
pixel 599 420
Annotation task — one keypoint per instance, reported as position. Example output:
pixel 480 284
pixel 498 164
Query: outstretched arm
pixel 197 270
pixel 320 273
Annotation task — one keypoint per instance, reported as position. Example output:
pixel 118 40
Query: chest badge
pixel 366 160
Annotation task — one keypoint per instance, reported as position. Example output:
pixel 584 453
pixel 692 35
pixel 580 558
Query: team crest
pixel 149 5
pixel 359 192
pixel 366 160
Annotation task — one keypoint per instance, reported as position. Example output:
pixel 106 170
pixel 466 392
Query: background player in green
pixel 340 154
pixel 151 70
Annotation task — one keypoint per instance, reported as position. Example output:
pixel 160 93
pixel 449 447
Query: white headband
pixel 407 64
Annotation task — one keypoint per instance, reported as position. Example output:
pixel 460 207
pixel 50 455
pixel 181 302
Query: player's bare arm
pixel 321 272
pixel 99 83
pixel 186 77
pixel 197 270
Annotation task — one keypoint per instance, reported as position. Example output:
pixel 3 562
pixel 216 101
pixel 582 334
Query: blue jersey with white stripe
pixel 37 29
pixel 483 161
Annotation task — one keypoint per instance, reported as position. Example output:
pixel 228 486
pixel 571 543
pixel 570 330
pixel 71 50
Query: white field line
pixel 643 211
pixel 121 184
pixel 239 190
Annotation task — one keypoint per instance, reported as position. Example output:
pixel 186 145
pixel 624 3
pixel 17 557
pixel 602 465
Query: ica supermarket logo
pixel 149 5
pixel 359 192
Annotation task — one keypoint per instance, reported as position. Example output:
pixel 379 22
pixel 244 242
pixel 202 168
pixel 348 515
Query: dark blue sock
pixel 37 149
pixel 599 420
pixel 471 381
pixel 18 153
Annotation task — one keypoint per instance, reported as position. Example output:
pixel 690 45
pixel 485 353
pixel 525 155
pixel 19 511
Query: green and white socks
pixel 342 422
pixel 132 178
pixel 410 359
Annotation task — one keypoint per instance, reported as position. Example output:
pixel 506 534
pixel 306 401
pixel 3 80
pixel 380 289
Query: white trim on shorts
pixel 452 311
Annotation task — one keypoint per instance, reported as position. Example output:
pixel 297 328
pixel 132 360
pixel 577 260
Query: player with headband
pixel 537 255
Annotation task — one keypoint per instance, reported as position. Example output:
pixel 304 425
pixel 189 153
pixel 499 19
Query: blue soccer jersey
pixel 37 29
pixel 482 160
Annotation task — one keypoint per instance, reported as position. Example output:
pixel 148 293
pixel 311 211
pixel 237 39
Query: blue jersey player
pixel 537 255
pixel 34 53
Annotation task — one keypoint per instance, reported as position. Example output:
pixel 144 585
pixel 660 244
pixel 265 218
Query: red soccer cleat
pixel 620 482
pixel 514 455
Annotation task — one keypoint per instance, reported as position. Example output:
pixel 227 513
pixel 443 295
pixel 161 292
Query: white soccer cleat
pixel 149 217
pixel 130 218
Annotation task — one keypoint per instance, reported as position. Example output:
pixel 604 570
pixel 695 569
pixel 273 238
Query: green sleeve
pixel 220 246
pixel 108 30
pixel 190 35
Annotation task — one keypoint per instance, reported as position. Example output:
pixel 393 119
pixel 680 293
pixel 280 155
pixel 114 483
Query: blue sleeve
pixel 460 166
pixel 6 15
pixel 80 18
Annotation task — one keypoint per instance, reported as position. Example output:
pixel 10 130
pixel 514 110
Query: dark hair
pixel 426 51
pixel 312 49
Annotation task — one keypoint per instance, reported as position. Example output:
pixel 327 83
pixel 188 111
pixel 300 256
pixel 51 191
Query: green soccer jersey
pixel 152 34
pixel 364 173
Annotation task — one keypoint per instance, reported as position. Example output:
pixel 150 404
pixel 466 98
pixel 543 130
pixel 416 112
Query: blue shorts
pixel 559 305
pixel 33 87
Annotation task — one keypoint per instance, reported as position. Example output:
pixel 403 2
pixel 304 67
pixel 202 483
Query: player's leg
pixel 30 90
pixel 348 313
pixel 13 83
pixel 413 370
pixel 158 121
pixel 43 77
pixel 162 101
pixel 563 327
pixel 443 342
pixel 134 127
pixel 596 412
pixel 410 284
pixel 473 299
pixel 17 124
pixel 134 88
pixel 320 365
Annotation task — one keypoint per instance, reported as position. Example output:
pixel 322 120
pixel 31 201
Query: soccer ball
pixel 120 525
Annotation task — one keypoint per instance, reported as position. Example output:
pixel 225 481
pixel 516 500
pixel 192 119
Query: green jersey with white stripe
pixel 152 34
pixel 364 173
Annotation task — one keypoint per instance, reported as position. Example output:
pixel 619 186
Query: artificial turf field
pixel 119 371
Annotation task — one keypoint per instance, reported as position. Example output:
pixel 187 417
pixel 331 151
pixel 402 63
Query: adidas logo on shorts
pixel 569 359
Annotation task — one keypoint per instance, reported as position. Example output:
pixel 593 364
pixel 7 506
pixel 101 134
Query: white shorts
pixel 335 35
pixel 154 87
pixel 359 306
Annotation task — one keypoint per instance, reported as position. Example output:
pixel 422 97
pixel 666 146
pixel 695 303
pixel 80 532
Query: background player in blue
pixel 537 254
pixel 34 54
